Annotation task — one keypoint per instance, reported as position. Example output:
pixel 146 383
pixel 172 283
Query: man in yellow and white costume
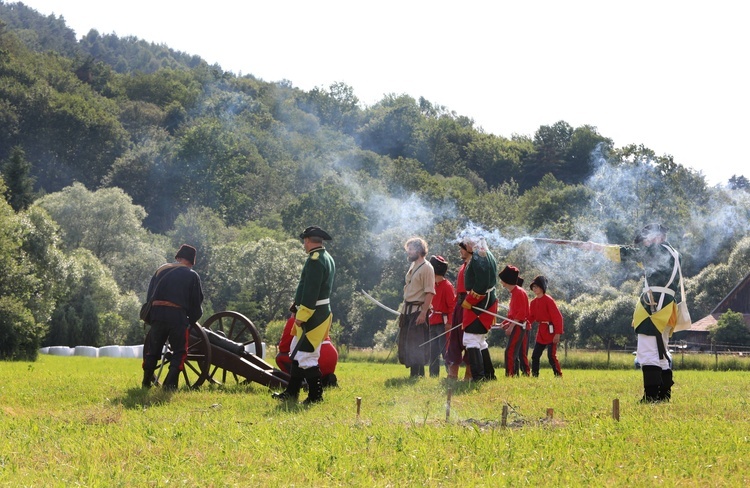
pixel 655 314
pixel 312 308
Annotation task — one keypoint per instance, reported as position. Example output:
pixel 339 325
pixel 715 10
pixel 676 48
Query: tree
pixel 605 320
pixel 107 223
pixel 730 330
pixel 739 183
pixel 20 185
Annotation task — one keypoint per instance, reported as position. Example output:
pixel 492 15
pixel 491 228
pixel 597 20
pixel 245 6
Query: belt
pixel 412 307
pixel 324 301
pixel 164 303
pixel 659 289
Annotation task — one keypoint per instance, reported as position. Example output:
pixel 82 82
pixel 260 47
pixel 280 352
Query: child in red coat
pixel 543 309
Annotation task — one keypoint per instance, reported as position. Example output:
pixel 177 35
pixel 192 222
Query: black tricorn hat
pixel 315 231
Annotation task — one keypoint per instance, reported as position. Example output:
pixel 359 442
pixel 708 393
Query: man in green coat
pixel 312 309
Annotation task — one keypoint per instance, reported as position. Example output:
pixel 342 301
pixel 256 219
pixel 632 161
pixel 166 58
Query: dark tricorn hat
pixel 649 231
pixel 509 275
pixel 315 231
pixel 541 282
pixel 186 252
pixel 439 264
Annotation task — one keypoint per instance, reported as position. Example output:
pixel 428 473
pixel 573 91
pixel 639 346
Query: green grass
pixel 74 421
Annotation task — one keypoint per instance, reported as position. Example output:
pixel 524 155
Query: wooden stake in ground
pixel 616 409
pixel 359 403
pixel 504 420
pixel 448 405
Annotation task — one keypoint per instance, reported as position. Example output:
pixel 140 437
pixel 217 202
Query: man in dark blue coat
pixel 177 297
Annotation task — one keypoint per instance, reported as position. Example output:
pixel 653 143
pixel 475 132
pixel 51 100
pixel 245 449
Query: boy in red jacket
pixel 543 309
pixel 518 310
pixel 442 312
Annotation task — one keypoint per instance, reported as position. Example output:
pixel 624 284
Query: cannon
pixel 226 349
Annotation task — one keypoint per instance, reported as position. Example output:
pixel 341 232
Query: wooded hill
pixel 116 150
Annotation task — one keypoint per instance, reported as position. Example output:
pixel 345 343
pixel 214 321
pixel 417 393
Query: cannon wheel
pixel 197 363
pixel 238 328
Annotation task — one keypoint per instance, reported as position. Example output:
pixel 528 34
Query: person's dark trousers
pixel 521 360
pixel 652 383
pixel 552 358
pixel 665 389
pixel 152 351
pixel 437 346
pixel 315 385
pixel 416 371
pixel 475 363
pixel 489 368
pixel 293 386
pixel 511 351
pixel 536 354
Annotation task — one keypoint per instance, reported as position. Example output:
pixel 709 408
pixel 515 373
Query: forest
pixel 114 151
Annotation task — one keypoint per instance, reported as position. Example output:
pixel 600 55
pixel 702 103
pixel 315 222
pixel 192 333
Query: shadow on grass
pixel 140 398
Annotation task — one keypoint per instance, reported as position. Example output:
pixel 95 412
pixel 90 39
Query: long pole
pixel 441 335
pixel 498 316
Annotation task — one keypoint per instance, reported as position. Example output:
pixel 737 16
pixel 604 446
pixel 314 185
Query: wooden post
pixel 359 403
pixel 616 409
pixel 448 405
pixel 550 413
pixel 504 420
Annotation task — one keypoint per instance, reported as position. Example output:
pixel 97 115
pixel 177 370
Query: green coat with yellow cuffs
pixel 312 299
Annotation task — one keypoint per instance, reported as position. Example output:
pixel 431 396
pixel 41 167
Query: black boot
pixel 476 364
pixel 489 369
pixel 665 391
pixel 148 378
pixel 293 386
pixel 170 382
pixel 651 383
pixel 315 386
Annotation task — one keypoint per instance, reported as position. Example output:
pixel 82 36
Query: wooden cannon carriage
pixel 225 349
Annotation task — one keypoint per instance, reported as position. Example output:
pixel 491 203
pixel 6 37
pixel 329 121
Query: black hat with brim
pixel 315 231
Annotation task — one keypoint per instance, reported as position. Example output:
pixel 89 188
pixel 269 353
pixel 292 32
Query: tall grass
pixel 72 421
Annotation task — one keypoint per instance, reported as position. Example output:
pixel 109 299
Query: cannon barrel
pixel 221 341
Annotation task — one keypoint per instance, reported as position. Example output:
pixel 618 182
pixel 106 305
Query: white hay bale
pixel 138 351
pixel 44 350
pixel 87 351
pixel 127 352
pixel 250 349
pixel 110 352
pixel 61 351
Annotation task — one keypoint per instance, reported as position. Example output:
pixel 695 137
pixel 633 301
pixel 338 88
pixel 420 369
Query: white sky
pixel 671 75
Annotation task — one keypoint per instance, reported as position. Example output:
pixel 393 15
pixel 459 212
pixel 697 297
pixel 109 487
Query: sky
pixel 670 75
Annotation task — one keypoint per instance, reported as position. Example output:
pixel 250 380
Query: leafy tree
pixel 739 183
pixel 730 330
pixel 391 126
pixel 605 320
pixel 258 279
pixel 92 296
pixel 20 185
pixel 20 332
pixel 108 224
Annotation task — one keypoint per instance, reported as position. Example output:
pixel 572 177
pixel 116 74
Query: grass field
pixel 75 421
